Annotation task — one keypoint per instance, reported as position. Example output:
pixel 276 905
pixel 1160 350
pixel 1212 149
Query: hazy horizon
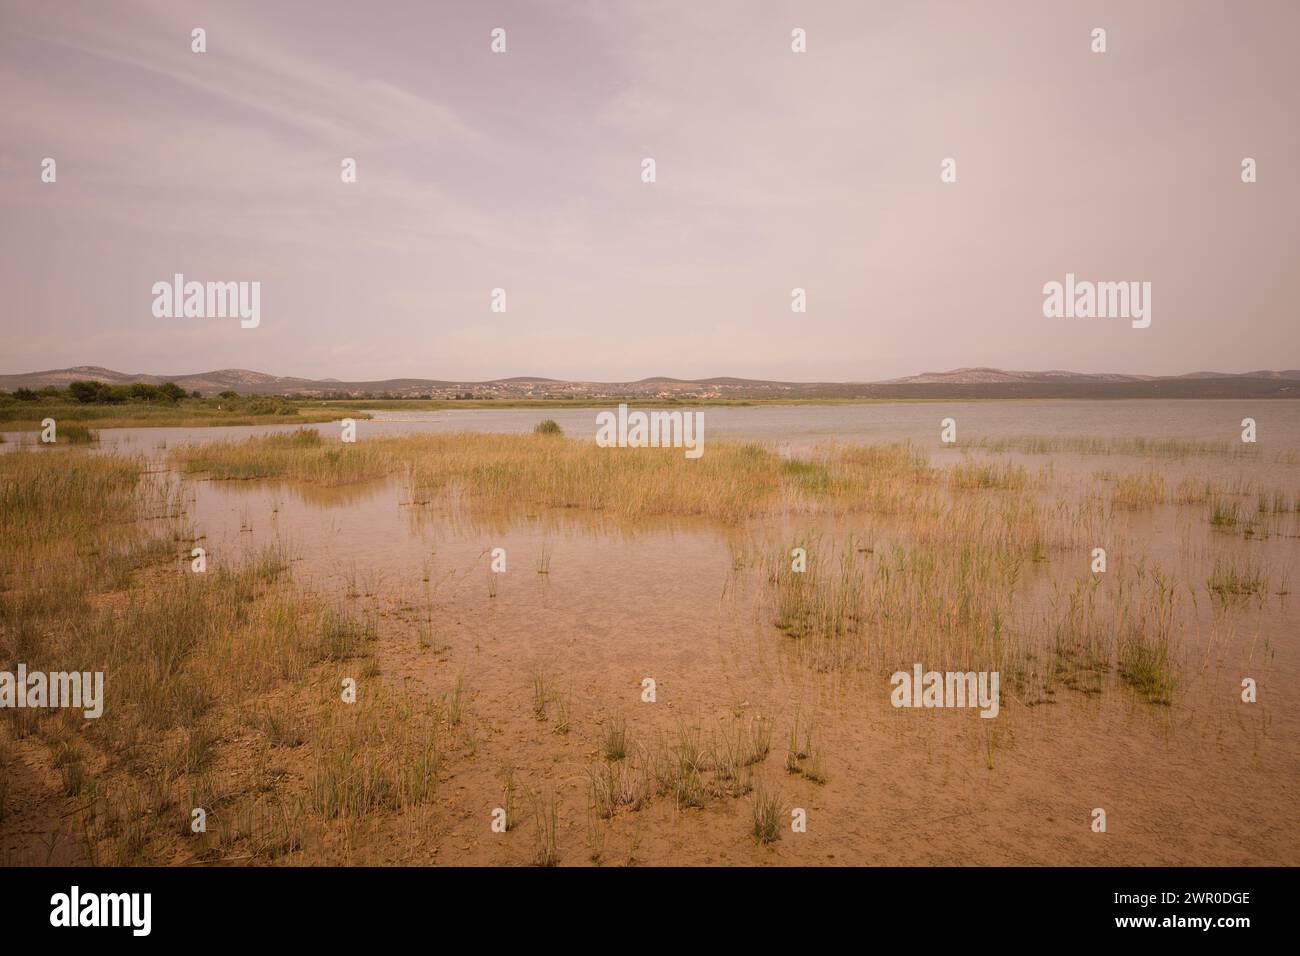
pixel 775 170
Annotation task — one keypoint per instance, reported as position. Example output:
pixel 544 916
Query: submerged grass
pixel 1235 580
pixel 1139 491
pixel 962 601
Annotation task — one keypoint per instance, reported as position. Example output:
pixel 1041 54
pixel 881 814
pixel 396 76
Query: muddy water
pixel 596 608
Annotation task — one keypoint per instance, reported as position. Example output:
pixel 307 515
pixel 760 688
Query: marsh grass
pixel 945 572
pixel 72 434
pixel 990 747
pixel 562 704
pixel 1235 580
pixel 1193 490
pixel 851 609
pixel 822 607
pixel 1080 649
pixel 373 757
pixel 1148 637
pixel 541 695
pixel 955 593
pixel 613 785
pixel 1104 445
pixel 1277 502
pixel 689 766
pixel 1225 514
pixel 511 806
pixel 546 833
pixel 513 473
pixel 1146 667
pixel 344 633
pixel 765 817
pixel 303 455
pixel 1139 491
pixel 615 740
pixel 91 579
pixel 281 726
pixel 802 757
pixel 455 702
pixel 972 475
pixel 73 777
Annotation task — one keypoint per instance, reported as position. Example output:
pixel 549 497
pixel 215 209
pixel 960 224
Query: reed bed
pixel 1139 491
pixel 948 587
pixel 69 527
pixel 971 475
pixel 509 473
pixel 1235 580
pixel 92 580
pixel 301 455
pixel 1194 490
pixel 372 757
pixel 692 766
pixel 965 605
pixel 70 434
pixel 1104 445
pixel 240 665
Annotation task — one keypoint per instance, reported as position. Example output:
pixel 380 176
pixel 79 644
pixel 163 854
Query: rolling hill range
pixel 970 383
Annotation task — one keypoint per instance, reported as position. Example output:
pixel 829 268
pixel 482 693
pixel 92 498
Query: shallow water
pixel 599 606
pixel 918 422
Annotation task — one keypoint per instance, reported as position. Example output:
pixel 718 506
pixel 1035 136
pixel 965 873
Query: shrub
pixel 83 393
pixel 145 392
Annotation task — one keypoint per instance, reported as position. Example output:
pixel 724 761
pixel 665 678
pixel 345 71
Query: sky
pixel 522 171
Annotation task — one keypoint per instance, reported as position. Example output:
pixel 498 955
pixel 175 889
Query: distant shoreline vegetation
pixel 143 405
pixel 169 405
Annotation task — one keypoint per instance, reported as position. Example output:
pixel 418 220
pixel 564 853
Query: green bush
pixel 83 393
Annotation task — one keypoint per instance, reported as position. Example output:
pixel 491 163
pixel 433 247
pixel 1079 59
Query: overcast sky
pixel 522 171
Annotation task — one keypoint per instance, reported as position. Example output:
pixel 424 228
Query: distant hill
pixel 956 384
pixel 974 376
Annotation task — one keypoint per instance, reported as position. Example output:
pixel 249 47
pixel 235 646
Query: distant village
pixel 536 390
